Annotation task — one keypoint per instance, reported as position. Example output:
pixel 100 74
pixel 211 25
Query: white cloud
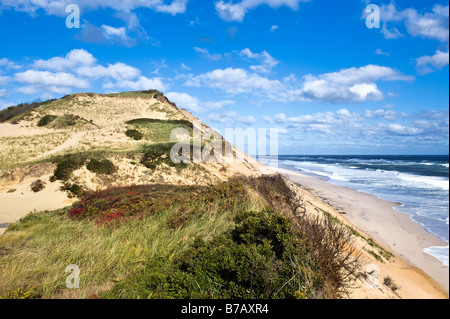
pixel 59 83
pixel 84 65
pixel 273 28
pixel 381 114
pixel 266 60
pixel 427 64
pixel 230 11
pixel 276 119
pixel 402 129
pixel 57 7
pixel 205 53
pixel 191 103
pixel 142 83
pixel 432 25
pixel 326 122
pixel 4 79
pixel 128 36
pixel 118 71
pixel 184 100
pixel 348 85
pixel 60 75
pixel 185 67
pixel 381 52
pixel 74 59
pixel 231 118
pixel 4 62
pixel 234 81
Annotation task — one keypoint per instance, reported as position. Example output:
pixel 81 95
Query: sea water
pixel 419 183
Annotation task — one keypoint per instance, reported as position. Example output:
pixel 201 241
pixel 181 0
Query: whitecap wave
pixel 439 252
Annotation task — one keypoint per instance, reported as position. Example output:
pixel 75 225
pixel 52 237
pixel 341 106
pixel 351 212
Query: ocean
pixel 420 183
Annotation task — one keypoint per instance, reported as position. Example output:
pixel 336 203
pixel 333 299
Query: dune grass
pixel 158 131
pixel 41 246
pixel 17 150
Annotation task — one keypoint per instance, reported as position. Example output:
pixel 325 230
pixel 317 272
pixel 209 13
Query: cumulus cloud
pixel 432 25
pixel 266 60
pixel 276 119
pixel 191 103
pixel 76 70
pixel 231 118
pixel 59 82
pixel 205 53
pixel 427 63
pixel 74 59
pixel 381 52
pixel 389 115
pixel 7 64
pixel 128 35
pixel 233 81
pixel 140 84
pixel 347 85
pixel 57 7
pixel 370 126
pixel 230 11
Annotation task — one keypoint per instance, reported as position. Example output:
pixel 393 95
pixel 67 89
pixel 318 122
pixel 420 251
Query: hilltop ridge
pixel 102 125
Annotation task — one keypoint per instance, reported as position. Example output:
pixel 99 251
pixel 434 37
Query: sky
pixel 322 72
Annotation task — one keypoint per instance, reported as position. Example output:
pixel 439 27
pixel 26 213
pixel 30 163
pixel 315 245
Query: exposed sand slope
pixel 105 118
pixel 18 204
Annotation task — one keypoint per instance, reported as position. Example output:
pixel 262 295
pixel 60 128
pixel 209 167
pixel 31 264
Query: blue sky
pixel 312 68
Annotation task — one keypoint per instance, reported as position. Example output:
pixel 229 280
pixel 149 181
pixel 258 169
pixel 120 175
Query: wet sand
pixel 377 218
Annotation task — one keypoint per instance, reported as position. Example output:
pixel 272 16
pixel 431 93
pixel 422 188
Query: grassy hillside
pixel 146 227
pixel 234 240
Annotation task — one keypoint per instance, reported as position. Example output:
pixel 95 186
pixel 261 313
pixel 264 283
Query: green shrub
pixel 67 165
pixel 73 190
pixel 37 186
pixel 46 119
pixel 104 166
pixel 134 134
pixel 145 121
pixel 263 257
pixel 157 154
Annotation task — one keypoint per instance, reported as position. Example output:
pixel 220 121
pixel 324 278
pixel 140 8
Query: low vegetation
pixel 37 186
pixel 238 239
pixel 134 134
pixel 46 119
pixel 21 109
pixel 101 166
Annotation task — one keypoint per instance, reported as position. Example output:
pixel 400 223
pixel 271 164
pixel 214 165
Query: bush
pixel 37 186
pixel 68 164
pixel 73 190
pixel 332 247
pixel 46 119
pixel 105 166
pixel 134 134
pixel 262 258
pixel 157 154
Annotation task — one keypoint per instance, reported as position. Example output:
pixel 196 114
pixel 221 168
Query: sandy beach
pixel 378 219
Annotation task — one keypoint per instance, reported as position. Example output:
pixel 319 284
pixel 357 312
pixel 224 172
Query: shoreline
pixel 378 218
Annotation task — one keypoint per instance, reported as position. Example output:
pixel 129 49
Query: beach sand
pixel 16 205
pixel 420 275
